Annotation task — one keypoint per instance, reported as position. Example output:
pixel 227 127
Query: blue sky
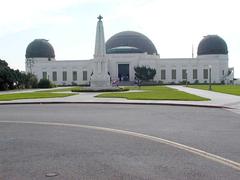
pixel 69 25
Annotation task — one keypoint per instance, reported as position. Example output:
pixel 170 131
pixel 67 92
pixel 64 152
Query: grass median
pixel 65 89
pixel 227 89
pixel 32 95
pixel 154 93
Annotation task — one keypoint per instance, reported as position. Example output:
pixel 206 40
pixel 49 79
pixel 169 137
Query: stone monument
pixel 100 78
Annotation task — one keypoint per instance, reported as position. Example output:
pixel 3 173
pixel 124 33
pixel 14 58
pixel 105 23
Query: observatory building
pixel 126 50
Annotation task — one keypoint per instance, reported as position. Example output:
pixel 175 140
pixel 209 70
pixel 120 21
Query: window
pixel 163 74
pixel 205 73
pixel 223 72
pixel 174 74
pixel 184 74
pixel 84 75
pixel 195 74
pixel 44 75
pixel 74 75
pixel 54 76
pixel 64 75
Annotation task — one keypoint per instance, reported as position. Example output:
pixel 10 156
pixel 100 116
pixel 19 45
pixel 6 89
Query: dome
pixel 130 42
pixel 40 48
pixel 212 44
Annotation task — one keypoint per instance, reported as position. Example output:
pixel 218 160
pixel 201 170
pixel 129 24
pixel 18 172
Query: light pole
pixel 210 78
pixel 186 78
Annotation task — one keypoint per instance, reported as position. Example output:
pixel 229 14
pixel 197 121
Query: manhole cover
pixel 52 174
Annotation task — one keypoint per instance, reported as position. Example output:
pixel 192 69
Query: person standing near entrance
pixel 120 77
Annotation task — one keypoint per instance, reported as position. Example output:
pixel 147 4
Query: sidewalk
pixel 27 90
pixel 217 99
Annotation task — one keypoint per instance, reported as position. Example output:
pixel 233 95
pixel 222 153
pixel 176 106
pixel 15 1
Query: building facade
pixel 129 49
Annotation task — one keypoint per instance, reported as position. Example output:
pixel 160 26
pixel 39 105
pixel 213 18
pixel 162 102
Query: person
pixel 110 77
pixel 115 82
pixel 120 77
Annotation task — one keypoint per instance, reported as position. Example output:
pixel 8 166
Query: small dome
pixel 40 48
pixel 212 44
pixel 130 42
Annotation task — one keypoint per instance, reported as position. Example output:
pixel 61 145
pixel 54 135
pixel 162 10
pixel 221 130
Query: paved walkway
pixel 217 99
pixel 27 90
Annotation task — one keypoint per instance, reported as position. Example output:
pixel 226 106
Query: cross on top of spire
pixel 100 17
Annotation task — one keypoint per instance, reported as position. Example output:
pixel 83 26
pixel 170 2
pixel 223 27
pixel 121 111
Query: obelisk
pixel 100 78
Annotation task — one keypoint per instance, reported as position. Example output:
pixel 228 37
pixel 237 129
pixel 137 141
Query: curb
pixel 126 103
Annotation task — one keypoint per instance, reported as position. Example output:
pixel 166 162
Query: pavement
pixel 28 90
pixel 91 141
pixel 216 99
pixel 119 142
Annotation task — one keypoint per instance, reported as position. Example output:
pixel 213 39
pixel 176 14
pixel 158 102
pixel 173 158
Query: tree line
pixel 15 79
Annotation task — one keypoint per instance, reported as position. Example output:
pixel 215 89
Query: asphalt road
pixel 32 151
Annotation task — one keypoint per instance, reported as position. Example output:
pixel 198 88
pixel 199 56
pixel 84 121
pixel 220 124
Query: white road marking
pixel 199 152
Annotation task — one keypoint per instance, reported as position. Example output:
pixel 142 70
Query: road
pixel 68 141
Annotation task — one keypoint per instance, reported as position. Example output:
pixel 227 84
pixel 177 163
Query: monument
pixel 100 78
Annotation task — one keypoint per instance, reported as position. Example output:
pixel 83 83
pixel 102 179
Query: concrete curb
pixel 126 103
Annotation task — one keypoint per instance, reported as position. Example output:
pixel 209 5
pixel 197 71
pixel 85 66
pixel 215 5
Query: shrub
pixel 144 73
pixel 196 82
pixel 74 84
pixel 99 90
pixel 45 83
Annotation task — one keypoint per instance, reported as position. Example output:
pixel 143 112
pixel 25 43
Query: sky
pixel 174 26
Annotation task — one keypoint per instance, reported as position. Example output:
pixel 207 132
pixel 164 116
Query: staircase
pixel 126 83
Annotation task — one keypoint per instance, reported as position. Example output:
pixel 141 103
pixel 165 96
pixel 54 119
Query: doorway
pixel 123 72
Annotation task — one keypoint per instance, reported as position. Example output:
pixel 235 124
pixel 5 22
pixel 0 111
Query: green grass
pixel 154 93
pixel 228 89
pixel 32 95
pixel 61 89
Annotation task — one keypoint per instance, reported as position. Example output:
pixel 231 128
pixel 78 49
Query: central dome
pixel 40 48
pixel 130 42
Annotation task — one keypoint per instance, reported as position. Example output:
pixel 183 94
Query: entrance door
pixel 123 72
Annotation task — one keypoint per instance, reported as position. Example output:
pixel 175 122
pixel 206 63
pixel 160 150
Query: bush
pixel 196 82
pixel 99 90
pixel 74 84
pixel 144 73
pixel 45 83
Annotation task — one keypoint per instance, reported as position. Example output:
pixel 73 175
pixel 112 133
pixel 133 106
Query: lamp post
pixel 186 78
pixel 210 78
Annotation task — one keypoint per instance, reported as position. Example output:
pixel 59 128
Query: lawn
pixel 32 95
pixel 228 89
pixel 61 89
pixel 154 93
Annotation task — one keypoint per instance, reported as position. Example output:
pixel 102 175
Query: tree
pixel 29 80
pixel 144 73
pixel 10 78
pixel 7 77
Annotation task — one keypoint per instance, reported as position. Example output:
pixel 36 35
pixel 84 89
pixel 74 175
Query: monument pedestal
pixel 100 80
